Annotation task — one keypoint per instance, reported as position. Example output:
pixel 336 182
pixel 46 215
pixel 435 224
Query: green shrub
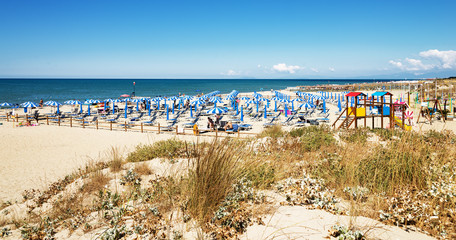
pixel 359 135
pixel 273 132
pixel 168 149
pixel 296 132
pixel 313 138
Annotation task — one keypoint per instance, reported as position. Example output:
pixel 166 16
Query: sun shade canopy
pixel 381 94
pixel 355 94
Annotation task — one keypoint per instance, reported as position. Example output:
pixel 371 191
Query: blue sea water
pixel 22 90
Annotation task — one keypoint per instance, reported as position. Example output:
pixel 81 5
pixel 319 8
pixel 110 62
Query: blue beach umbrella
pixel 53 104
pixel 286 111
pixel 126 109
pixel 137 101
pixel 106 101
pixel 242 113
pixel 324 106
pixel 26 105
pixel 305 105
pixel 5 104
pixel 167 112
pixel 339 105
pixel 216 110
pixel 265 112
pixel 88 102
pixel 113 104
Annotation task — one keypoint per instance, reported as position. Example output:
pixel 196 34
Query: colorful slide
pixel 399 123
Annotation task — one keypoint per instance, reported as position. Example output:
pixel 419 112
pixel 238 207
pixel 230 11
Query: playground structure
pixel 381 106
pixel 427 112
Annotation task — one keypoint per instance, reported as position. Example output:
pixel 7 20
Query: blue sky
pixel 226 39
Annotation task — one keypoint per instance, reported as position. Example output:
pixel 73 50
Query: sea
pixel 16 91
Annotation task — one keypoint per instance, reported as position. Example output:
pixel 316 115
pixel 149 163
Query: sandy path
pixel 32 157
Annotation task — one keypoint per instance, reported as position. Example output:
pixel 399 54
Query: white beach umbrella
pixel 29 104
pixel 5 104
pixel 216 110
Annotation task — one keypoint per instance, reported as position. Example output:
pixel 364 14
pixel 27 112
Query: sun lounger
pixel 113 119
pixel 234 129
pixel 170 127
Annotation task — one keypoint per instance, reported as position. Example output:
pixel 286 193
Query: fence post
pixel 26 117
pixel 17 117
pixel 97 123
pixel 125 125
pixel 71 121
pixel 216 132
pixel 83 126
pixel 158 128
pixel 141 127
pixel 47 120
pixel 110 125
pixel 59 120
pixel 177 132
pixel 239 133
pixel 7 119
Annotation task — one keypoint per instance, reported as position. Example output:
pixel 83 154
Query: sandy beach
pixel 34 157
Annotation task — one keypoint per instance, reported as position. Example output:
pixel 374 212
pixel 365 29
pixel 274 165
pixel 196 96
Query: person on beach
pixel 229 126
pixel 217 119
pixel 36 116
pixel 41 103
pixel 210 123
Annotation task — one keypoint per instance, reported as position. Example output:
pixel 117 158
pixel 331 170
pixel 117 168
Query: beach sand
pixel 34 157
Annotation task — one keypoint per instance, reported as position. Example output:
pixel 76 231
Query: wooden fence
pixel 119 126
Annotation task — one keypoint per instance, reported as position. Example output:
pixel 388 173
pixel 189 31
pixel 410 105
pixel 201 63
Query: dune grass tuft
pixel 169 149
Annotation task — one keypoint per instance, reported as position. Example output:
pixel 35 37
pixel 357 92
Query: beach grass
pixel 219 188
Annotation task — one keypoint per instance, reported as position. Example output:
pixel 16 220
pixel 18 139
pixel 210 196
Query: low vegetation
pixel 404 179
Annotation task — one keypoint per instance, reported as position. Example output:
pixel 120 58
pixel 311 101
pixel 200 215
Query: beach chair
pixel 245 126
pixel 170 127
pixel 325 118
pixel 92 121
pixel 190 124
pixel 113 119
pixel 234 129
pixel 137 118
pixel 288 120
pixel 151 121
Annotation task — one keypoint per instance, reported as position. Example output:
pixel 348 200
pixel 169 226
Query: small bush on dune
pixel 313 138
pixel 355 135
pixel 169 149
pixel 297 132
pixel 273 132
pixel 96 181
pixel 143 169
pixel 262 175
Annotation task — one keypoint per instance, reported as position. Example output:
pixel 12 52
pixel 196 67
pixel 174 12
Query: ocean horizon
pixel 19 90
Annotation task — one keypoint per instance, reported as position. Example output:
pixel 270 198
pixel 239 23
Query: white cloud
pixel 447 58
pixel 416 65
pixel 430 59
pixel 396 64
pixel 314 70
pixel 230 73
pixel 331 69
pixel 282 67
